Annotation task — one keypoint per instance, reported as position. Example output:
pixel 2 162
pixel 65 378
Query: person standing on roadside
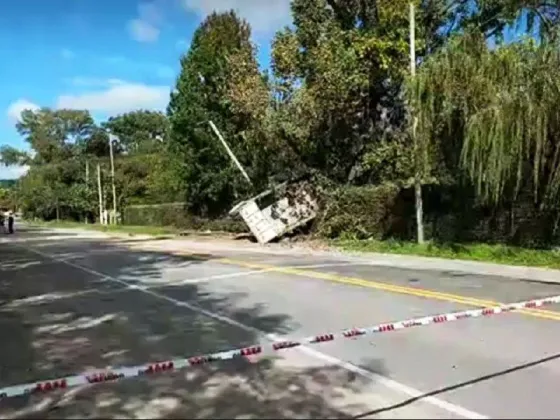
pixel 2 220
pixel 10 222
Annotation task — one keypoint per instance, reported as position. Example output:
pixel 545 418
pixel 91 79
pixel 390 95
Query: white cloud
pixel 145 28
pixel 119 98
pixel 143 31
pixel 16 108
pixel 12 172
pixel 265 16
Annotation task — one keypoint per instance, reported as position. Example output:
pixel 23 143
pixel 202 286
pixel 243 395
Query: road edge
pixel 409 262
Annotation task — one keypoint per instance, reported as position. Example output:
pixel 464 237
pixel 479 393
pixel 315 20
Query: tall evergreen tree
pixel 203 93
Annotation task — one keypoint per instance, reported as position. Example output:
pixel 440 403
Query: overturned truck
pixel 278 211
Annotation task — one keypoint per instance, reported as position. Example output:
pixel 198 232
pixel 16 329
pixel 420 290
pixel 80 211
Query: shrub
pixel 358 212
pixel 175 214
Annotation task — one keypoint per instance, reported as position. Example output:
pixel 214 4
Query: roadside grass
pixel 133 230
pixel 494 253
pixel 499 254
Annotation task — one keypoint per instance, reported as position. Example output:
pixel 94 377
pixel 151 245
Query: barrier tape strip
pixel 176 364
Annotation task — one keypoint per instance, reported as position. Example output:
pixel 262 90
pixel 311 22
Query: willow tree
pixel 500 109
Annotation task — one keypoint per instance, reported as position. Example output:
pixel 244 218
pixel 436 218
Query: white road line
pixel 78 255
pixel 238 274
pixel 392 384
pixel 18 261
pixel 48 238
pixel 49 298
pixel 389 383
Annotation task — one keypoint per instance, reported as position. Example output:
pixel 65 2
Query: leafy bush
pixel 358 212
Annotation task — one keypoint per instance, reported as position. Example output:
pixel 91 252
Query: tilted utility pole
pixel 230 153
pixel 417 174
pixel 221 138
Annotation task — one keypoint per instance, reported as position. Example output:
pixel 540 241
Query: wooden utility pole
pixel 417 174
pixel 113 180
pixel 100 194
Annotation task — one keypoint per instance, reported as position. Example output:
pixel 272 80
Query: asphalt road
pixel 71 302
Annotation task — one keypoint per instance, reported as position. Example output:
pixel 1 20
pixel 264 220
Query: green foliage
pixel 67 147
pixel 55 135
pixel 139 131
pixel 10 156
pixel 177 215
pixel 210 87
pixel 337 105
pixel 503 105
pixel 7 199
pixel 358 212
pixel 497 253
pixel 339 76
pixel 493 17
pixel 7 184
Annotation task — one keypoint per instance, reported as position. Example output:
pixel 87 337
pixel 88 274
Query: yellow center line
pixel 386 287
pixel 377 285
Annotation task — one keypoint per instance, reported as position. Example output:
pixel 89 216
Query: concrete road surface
pixel 71 302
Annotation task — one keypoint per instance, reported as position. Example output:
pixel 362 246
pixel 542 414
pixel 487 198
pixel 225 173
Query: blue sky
pixel 106 56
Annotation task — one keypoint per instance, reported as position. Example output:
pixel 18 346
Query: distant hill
pixel 7 183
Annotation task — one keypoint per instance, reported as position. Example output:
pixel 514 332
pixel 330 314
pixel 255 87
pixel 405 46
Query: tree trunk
pixel 419 210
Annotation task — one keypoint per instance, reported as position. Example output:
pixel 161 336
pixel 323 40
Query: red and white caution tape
pixel 175 364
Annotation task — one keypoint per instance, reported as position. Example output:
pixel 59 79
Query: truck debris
pixel 294 207
pixel 294 204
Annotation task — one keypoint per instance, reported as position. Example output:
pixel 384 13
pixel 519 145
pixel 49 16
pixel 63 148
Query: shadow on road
pixel 58 320
pixel 459 385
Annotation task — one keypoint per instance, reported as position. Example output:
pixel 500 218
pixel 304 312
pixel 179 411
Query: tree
pixel 59 141
pixel 97 145
pixel 139 131
pixel 7 198
pixel 142 157
pixel 499 110
pixel 203 93
pixel 54 135
pixel 339 77
pixel 493 17
pixel 10 156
